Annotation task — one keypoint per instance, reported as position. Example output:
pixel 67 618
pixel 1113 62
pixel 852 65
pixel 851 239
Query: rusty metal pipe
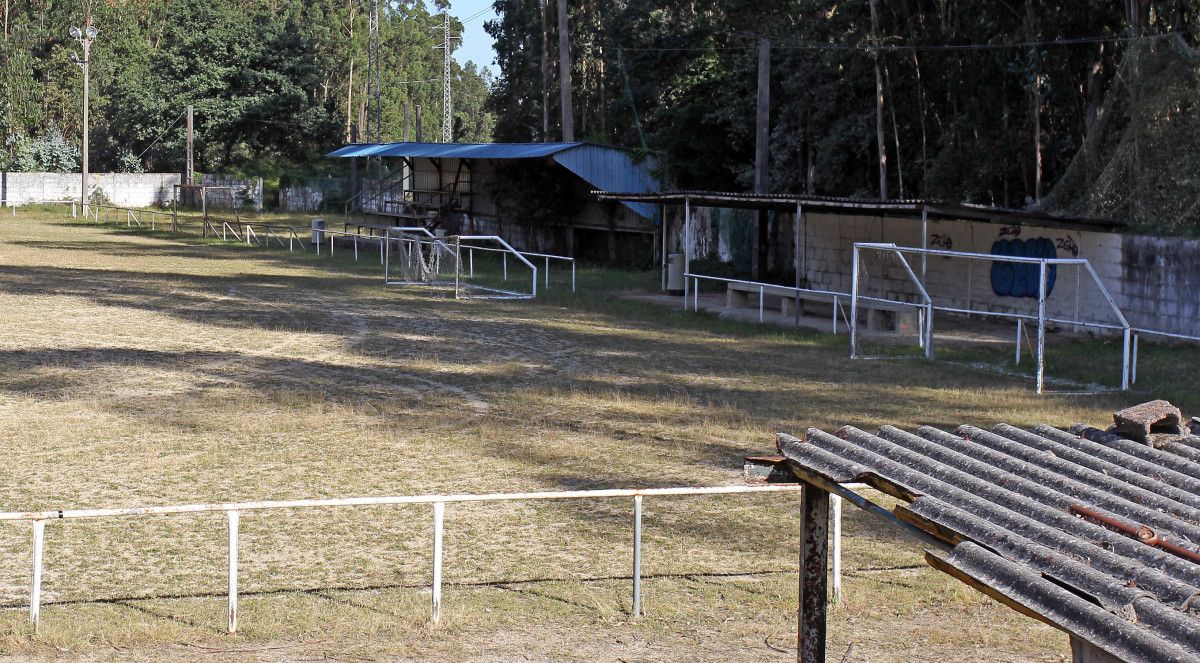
pixel 1138 532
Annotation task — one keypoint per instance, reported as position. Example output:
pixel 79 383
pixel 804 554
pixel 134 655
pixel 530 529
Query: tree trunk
pixel 564 74
pixel 762 134
pixel 1035 102
pixel 545 72
pixel 880 141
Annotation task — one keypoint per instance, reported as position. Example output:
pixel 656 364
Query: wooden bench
pixel 881 316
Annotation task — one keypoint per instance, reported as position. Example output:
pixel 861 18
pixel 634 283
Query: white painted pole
pixel 1020 324
pixel 1133 365
pixel 836 504
pixel 232 612
pixel 854 303
pixel 1126 348
pixel 35 591
pixel 760 302
pixel 1041 337
pixel 924 239
pixel 504 256
pixel 439 513
pixel 637 556
pixel 572 275
pixel 835 312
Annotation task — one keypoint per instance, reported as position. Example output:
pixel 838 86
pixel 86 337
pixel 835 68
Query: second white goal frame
pixel 927 306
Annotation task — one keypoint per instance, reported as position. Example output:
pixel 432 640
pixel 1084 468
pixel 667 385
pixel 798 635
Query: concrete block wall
pixel 124 189
pixel 250 192
pixel 1154 281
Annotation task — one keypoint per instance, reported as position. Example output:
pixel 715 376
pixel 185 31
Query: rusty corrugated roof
pixel 1091 532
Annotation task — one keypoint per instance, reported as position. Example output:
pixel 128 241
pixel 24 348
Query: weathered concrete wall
pixel 125 189
pixel 1153 280
pixel 249 194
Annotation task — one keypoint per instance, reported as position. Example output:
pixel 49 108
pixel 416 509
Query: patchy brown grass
pixel 141 369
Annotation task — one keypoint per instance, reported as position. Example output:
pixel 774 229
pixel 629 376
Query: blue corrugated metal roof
pixel 454 150
pixel 603 167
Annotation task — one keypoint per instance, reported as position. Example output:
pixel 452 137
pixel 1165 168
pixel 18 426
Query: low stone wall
pixel 125 189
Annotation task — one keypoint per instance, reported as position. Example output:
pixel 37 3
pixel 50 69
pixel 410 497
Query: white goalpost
pixel 952 294
pixel 471 266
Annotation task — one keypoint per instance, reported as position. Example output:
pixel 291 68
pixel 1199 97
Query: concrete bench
pixel 881 316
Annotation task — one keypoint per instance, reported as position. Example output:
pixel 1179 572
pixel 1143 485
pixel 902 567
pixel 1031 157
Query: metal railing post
pixel 439 514
pixel 355 248
pixel 696 296
pixel 547 279
pixel 835 310
pixel 572 275
pixel 505 257
pixel 35 590
pixel 471 260
pixel 637 556
pixel 232 611
pixel 761 297
pixel 835 502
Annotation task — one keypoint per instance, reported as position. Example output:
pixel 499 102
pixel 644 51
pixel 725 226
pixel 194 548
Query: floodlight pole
pixel 85 38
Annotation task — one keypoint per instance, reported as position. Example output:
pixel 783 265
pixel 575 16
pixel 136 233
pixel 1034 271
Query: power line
pixel 164 133
pixel 476 15
pixel 831 46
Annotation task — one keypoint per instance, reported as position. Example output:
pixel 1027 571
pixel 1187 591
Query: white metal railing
pixel 252 237
pixel 763 289
pixel 233 511
pixel 131 217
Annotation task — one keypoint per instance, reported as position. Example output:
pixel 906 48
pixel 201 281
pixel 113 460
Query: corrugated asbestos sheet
pixel 1089 531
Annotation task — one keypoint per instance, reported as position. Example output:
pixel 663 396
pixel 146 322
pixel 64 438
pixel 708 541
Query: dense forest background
pixel 275 83
pixel 1087 107
pixel 986 101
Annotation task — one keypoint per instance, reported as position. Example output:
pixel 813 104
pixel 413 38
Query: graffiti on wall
pixel 1013 279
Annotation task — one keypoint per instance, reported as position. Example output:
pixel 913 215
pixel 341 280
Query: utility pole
pixel 447 109
pixel 545 71
pixel 762 137
pixel 85 37
pixel 564 74
pixel 417 122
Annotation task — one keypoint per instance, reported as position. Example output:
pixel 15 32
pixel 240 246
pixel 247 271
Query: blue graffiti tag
pixel 1013 279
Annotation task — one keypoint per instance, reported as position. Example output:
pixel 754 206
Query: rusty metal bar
pixel 1138 532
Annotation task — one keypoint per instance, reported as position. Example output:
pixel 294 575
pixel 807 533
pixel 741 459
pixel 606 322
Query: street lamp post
pixel 85 37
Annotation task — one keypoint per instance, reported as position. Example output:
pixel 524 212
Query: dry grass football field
pixel 144 369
